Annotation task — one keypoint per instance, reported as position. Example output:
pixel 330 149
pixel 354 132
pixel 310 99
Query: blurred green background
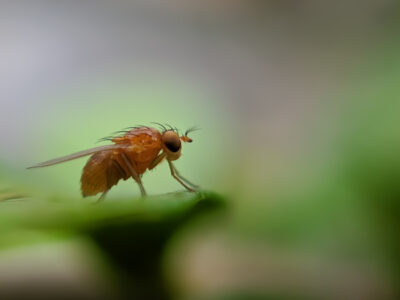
pixel 298 155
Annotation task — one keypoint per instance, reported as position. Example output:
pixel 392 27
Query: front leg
pixel 184 179
pixel 173 173
pixel 157 160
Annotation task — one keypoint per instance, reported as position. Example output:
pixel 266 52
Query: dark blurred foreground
pixel 131 238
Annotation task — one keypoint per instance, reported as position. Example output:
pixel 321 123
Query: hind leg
pixel 102 197
pixel 134 174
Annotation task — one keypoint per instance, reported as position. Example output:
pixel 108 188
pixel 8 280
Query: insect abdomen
pixel 100 173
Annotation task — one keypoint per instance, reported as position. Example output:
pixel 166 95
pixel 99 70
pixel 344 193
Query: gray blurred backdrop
pixel 276 86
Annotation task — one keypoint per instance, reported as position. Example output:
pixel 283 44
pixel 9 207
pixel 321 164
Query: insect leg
pixel 102 197
pixel 157 160
pixel 184 179
pixel 134 175
pixel 173 173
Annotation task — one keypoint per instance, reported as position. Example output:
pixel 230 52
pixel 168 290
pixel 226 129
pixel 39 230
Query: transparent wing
pixel 77 155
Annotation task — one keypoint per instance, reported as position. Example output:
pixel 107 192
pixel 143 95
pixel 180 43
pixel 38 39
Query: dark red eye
pixel 173 145
pixel 171 141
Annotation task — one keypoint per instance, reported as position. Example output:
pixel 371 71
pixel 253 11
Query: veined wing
pixel 78 155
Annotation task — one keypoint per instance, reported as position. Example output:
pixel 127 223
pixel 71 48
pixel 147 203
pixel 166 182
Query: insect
pixel 134 151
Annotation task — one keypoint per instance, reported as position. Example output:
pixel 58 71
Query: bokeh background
pixel 298 104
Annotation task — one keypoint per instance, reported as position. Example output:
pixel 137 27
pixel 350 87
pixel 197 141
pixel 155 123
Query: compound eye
pixel 172 142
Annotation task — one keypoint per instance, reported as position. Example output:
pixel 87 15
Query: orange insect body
pixel 130 156
pixel 104 169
